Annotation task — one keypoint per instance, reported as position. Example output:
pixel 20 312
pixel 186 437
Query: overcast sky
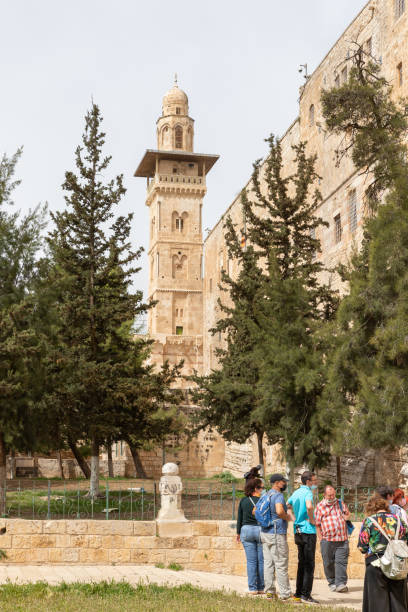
pixel 236 60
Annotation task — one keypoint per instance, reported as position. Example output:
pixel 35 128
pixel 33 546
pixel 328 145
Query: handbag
pixel 349 524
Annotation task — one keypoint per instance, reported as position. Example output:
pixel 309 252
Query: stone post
pixel 170 488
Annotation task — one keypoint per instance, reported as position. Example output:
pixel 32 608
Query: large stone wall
pixel 209 546
pixel 374 26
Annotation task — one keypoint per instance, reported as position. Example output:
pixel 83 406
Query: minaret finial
pixel 175 79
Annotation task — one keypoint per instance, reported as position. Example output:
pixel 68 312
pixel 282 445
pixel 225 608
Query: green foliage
pixel 272 370
pixel 176 567
pixel 226 477
pixel 368 366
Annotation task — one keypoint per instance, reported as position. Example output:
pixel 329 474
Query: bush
pixel 226 477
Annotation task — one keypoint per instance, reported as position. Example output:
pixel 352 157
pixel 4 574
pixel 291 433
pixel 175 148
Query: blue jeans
pixel 251 541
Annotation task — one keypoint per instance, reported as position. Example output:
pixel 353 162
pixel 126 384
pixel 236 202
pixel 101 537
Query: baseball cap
pixel 277 478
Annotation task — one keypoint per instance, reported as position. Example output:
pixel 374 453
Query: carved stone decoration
pixel 170 488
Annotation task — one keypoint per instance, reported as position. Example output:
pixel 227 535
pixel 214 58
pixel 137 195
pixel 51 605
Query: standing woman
pixel 248 532
pixel 380 593
pixel 399 504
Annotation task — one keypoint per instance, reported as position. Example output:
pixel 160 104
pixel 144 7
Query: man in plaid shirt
pixel 330 519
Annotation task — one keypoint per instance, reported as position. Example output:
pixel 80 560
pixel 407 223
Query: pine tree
pixel 271 373
pixel 20 345
pixel 368 366
pixel 293 305
pixel 94 266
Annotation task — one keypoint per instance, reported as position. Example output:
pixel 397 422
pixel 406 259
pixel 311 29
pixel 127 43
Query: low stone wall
pixel 200 545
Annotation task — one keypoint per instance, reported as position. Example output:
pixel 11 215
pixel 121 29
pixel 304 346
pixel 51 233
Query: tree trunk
pixel 94 479
pixel 79 459
pixel 338 471
pixel 139 469
pixel 291 469
pixel 110 459
pixel 3 475
pixel 12 464
pixel 259 438
pixel 61 465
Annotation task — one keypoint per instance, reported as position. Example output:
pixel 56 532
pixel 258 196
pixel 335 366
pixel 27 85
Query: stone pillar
pixel 170 488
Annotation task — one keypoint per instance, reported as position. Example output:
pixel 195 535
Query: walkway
pixel 54 574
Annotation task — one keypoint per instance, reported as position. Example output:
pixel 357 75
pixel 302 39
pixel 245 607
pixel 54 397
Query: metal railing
pixel 127 500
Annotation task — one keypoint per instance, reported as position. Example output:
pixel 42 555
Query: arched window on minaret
pixel 166 137
pixel 178 132
pixel 189 139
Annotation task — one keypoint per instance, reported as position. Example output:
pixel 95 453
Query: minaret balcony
pixel 177 182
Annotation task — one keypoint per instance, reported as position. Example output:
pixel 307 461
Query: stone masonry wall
pixel 209 546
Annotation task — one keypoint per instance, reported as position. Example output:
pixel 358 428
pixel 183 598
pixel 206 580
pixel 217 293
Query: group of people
pixel 327 522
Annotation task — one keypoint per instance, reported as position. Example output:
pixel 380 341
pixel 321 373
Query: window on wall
pixel 179 224
pixel 369 46
pixel 337 229
pixel 399 74
pixel 352 207
pixel 311 115
pixel 344 75
pixel 179 330
pixel 399 8
pixel 337 81
pixel 179 137
pixel 178 110
pixel 157 264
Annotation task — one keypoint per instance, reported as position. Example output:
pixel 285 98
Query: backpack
pixel 263 510
pixel 394 562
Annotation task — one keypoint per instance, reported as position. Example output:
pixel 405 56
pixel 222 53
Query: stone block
pixel 62 541
pixel 38 555
pixel 6 541
pixel 56 555
pixel 223 543
pixel 174 530
pixel 239 569
pixel 70 555
pixel 203 542
pixel 144 528
pixel 156 556
pixel 58 527
pixel 78 541
pixel 205 528
pixel 77 527
pixel 94 541
pixel 227 528
pixel 234 556
pixel 145 542
pixel 23 541
pixel 17 555
pixel 188 542
pixel 93 555
pixel 113 541
pixel 201 556
pixel 119 555
pixel 43 541
pixel 139 556
pixel 178 556
pixel 166 542
pixel 111 527
pixel 21 526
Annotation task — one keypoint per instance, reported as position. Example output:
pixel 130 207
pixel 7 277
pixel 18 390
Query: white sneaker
pixel 342 588
pixel 332 587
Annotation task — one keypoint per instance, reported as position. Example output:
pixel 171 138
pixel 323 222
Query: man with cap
pixel 274 542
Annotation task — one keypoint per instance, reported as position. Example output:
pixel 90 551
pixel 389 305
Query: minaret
pixel 176 186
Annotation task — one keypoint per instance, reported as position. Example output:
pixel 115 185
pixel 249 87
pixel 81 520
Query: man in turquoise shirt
pixel 301 503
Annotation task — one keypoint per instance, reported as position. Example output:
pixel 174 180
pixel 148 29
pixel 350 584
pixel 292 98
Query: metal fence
pixel 120 500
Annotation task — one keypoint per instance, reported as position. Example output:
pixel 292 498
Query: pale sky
pixel 236 60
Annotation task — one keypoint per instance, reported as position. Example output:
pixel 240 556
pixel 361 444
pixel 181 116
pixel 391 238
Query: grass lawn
pixel 120 596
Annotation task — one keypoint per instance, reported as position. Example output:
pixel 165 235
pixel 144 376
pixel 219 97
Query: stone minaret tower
pixel 176 186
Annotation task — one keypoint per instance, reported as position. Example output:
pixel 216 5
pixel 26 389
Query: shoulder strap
pixel 398 528
pixel 380 529
pixel 252 501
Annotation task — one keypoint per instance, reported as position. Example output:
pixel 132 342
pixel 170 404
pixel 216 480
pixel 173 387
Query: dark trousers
pixel 382 594
pixel 306 565
pixel 335 557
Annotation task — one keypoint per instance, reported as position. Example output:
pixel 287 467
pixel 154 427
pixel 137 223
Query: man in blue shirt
pixel 301 502
pixel 274 542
